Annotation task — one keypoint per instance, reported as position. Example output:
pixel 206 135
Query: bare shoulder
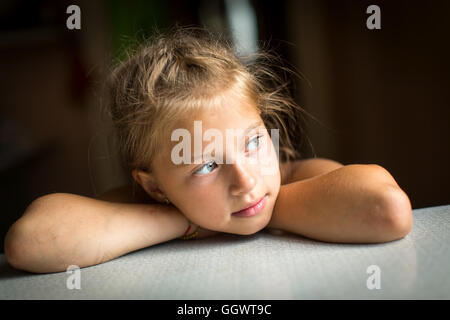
pixel 307 168
pixel 286 172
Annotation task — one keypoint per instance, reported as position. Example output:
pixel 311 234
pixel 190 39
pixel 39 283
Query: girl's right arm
pixel 60 229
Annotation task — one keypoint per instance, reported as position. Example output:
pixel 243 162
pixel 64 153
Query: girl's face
pixel 208 193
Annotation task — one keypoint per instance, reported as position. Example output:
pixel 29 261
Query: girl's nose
pixel 242 179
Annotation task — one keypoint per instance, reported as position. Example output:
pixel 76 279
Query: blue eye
pixel 255 142
pixel 208 166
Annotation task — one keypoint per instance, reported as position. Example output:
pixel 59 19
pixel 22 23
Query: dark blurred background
pixel 378 96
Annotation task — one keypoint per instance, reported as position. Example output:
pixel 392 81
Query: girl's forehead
pixel 229 113
pixel 196 125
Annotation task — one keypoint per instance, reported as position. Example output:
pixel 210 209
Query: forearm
pixel 65 229
pixel 353 204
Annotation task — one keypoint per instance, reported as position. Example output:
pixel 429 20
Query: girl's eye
pixel 254 143
pixel 210 166
pixel 206 168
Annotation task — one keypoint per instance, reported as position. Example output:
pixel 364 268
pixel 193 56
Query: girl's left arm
pixel 327 201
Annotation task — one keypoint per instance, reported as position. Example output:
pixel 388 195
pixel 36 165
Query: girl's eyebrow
pixel 252 126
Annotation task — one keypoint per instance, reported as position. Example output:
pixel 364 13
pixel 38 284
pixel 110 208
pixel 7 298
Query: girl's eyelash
pixel 255 138
pixel 258 137
pixel 201 166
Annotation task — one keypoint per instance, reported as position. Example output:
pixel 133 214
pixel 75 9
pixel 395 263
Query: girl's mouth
pixel 251 210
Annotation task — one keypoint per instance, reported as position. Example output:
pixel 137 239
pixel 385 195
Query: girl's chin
pixel 249 230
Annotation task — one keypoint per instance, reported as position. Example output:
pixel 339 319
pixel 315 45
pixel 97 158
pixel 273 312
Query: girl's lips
pixel 253 210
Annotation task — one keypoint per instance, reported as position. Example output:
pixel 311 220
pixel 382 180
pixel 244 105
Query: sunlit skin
pixel 209 193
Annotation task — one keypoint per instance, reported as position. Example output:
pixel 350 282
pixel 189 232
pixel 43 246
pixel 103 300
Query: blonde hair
pixel 173 73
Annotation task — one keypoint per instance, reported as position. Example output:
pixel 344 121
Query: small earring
pixel 166 201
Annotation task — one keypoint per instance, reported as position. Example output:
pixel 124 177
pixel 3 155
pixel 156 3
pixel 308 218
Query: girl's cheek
pixel 205 181
pixel 268 158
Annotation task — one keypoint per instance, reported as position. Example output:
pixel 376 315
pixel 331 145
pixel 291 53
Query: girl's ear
pixel 149 184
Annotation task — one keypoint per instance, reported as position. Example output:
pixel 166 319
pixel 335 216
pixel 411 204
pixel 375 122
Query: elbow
pixel 397 212
pixel 392 205
pixel 20 238
pixel 12 248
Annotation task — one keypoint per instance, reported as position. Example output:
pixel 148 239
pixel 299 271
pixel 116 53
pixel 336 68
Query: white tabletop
pixel 260 266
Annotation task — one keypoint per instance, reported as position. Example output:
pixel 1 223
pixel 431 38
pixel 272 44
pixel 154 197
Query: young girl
pixel 175 82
